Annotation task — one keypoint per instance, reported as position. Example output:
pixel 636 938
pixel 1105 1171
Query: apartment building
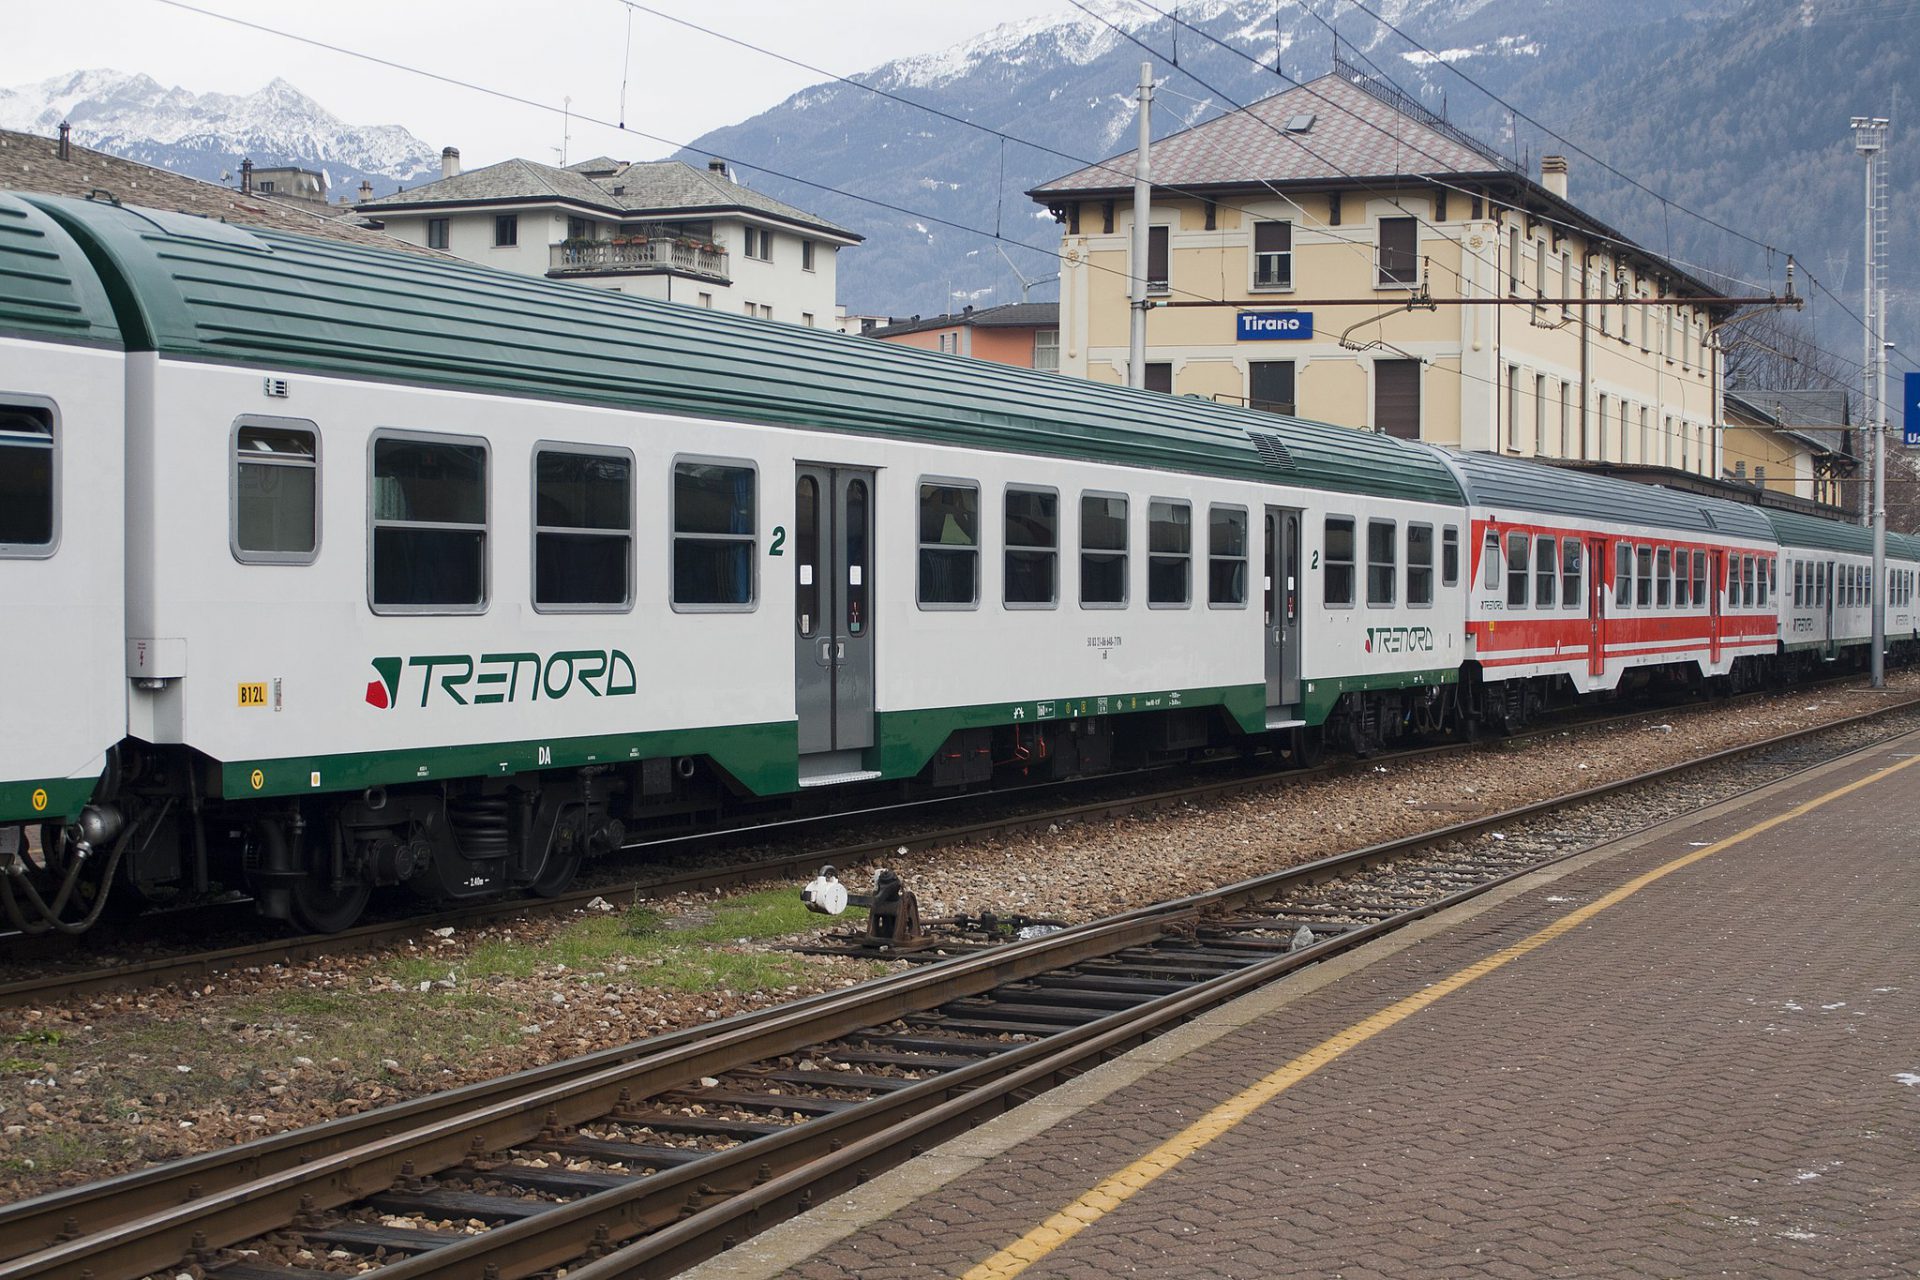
pixel 1023 334
pixel 1336 251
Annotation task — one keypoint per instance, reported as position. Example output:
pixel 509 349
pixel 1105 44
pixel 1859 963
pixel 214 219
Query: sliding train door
pixel 833 620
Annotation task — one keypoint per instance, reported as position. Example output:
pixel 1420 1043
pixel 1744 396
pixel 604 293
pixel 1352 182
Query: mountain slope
pixel 206 135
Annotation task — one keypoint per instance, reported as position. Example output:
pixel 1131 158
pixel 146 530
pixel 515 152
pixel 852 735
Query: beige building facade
pixel 1337 252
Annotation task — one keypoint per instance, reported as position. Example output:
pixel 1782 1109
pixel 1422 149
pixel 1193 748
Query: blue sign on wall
pixel 1275 325
pixel 1911 402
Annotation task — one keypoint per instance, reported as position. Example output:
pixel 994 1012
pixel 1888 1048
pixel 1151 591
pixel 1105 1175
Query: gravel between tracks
pixel 110 1083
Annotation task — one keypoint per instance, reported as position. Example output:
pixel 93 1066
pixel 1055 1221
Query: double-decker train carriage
pixel 425 575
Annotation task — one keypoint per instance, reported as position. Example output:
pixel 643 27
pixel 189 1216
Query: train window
pixel 1449 556
pixel 1700 577
pixel 1682 596
pixel 582 530
pixel 857 533
pixel 714 518
pixel 1383 560
pixel 1420 565
pixel 1663 578
pixel 1517 544
pixel 1765 581
pixel 949 544
pixel 1227 557
pixel 1103 551
pixel 1622 574
pixel 1169 554
pixel 1643 578
pixel 1546 564
pixel 274 511
pixel 1570 573
pixel 806 555
pixel 1490 562
pixel 1338 582
pixel 1032 548
pixel 29 475
pixel 429 511
pixel 1799 584
pixel 1746 582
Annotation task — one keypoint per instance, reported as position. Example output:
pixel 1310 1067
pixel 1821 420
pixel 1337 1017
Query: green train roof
pixel 198 289
pixel 47 287
pixel 1814 533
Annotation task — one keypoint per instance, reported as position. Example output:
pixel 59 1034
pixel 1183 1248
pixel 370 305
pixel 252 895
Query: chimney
pixel 66 141
pixel 449 162
pixel 366 191
pixel 718 168
pixel 1553 174
pixel 246 176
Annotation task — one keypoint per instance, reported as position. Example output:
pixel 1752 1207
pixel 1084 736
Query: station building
pixel 1295 245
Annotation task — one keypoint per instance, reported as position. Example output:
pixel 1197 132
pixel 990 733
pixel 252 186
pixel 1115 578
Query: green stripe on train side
pixel 1319 694
pixel 761 756
pixel 44 799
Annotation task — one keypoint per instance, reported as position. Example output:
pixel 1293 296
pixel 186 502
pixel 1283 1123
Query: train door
pixel 1282 605
pixel 1597 561
pixel 1716 596
pixel 833 620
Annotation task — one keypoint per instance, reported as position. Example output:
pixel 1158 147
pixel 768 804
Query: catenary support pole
pixel 1870 140
pixel 1142 199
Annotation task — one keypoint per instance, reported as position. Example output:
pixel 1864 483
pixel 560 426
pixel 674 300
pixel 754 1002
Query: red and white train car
pixel 1593 579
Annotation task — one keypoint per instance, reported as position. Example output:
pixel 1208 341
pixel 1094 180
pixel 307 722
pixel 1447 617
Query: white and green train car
pixel 1825 595
pixel 441 576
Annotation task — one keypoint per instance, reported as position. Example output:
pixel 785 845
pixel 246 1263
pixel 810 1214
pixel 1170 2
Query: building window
pixel 437 232
pixel 1396 398
pixel 578 228
pixel 1032 548
pixel 1337 582
pixel 1419 565
pixel 706 300
pixel 27 481
pixel 1160 377
pixel 1383 560
pixel 1169 554
pixel 1103 550
pixel 276 482
pixel 713 524
pixel 1158 276
pixel 582 529
pixel 428 509
pixel 506 230
pixel 1046 350
pixel 1539 413
pixel 1513 413
pixel 1567 289
pixel 1270 385
pixel 806 255
pixel 1227 557
pixel 806 318
pixel 1513 261
pixel 1273 255
pixel 949 544
pixel 1399 252
pixel 759 244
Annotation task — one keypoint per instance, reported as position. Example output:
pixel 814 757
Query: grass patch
pixel 683 953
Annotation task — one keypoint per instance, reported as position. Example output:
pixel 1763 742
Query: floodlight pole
pixel 1870 140
pixel 1142 199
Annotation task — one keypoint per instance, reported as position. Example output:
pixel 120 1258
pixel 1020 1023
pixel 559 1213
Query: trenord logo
pixel 464 679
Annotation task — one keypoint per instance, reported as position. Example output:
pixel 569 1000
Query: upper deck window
pixel 28 473
pixel 276 482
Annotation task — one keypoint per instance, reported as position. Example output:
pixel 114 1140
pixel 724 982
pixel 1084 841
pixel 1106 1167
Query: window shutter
pixel 1272 237
pixel 1396 397
pixel 1157 256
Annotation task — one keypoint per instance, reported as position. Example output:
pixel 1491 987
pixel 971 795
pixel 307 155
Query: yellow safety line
pixel 1113 1191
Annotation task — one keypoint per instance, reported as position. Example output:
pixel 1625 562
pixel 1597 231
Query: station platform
pixel 1694 1051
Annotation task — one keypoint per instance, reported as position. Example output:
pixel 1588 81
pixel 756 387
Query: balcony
pixel 638 257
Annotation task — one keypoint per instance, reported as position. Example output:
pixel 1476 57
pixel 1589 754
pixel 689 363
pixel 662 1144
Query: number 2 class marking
pixel 779 541
pixel 1316 561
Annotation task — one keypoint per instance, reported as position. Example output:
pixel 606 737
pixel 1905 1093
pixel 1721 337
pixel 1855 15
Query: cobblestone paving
pixel 1717 1076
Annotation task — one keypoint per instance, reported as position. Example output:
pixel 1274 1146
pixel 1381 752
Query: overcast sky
pixel 678 83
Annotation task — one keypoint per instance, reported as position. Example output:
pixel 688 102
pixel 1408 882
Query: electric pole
pixel 1142 193
pixel 1870 140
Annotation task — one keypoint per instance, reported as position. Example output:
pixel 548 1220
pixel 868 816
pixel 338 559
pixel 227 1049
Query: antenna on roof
pixel 566 128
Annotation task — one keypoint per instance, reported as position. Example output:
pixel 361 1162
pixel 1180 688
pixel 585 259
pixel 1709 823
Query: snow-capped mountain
pixel 205 135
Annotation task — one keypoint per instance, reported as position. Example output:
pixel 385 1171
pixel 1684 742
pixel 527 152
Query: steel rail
pixel 125 1224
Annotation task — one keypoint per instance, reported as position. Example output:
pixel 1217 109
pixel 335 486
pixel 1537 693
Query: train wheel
pixel 319 906
pixel 556 874
pixel 1307 747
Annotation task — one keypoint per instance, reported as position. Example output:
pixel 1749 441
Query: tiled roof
pixel 1802 408
pixel 649 188
pixel 1014 315
pixel 29 162
pixel 1354 134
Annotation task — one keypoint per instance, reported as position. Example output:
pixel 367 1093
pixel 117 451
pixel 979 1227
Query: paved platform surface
pixel 1712 1071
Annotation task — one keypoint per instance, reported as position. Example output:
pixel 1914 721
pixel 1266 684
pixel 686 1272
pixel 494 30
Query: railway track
pixel 638 1162
pixel 122 974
